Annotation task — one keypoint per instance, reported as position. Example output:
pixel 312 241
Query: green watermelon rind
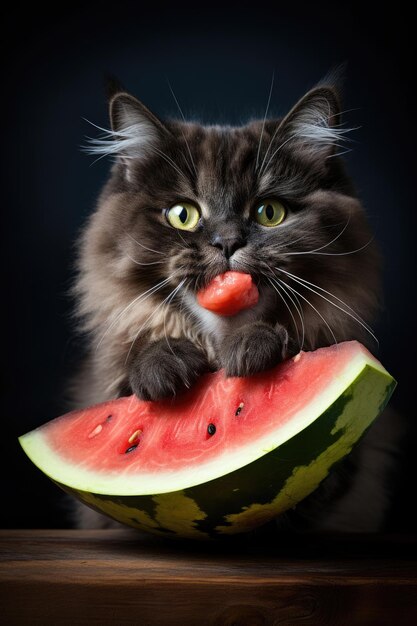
pixel 258 491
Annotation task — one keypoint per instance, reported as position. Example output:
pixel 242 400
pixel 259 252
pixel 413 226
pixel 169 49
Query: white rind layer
pixel 35 444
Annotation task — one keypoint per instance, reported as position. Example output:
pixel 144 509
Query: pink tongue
pixel 229 293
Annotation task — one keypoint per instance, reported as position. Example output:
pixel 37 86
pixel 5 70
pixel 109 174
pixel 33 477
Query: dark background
pixel 219 60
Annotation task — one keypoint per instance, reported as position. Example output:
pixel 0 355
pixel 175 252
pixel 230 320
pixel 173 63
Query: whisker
pixel 148 320
pixel 138 263
pixel 321 228
pixel 298 308
pixel 264 120
pixel 275 287
pixel 183 312
pixel 339 154
pixel 139 298
pixel 243 264
pixel 183 118
pixel 142 246
pixel 313 307
pixel 337 236
pixel 170 162
pixel 331 253
pixel 303 284
pixel 187 245
pixel 303 280
pixel 263 168
pixel 165 312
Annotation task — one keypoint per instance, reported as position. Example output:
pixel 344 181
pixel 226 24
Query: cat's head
pixel 186 202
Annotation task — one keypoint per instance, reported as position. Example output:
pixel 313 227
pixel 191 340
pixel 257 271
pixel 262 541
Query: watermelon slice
pixel 229 293
pixel 223 458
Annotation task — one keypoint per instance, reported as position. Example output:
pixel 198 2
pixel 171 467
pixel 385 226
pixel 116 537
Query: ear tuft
pixel 135 131
pixel 314 123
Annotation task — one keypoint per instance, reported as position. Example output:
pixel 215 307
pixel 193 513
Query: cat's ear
pixel 126 111
pixel 313 124
pixel 136 130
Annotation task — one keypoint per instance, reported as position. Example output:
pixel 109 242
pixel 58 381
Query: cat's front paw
pixel 253 348
pixel 162 369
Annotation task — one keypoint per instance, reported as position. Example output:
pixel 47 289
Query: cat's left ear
pixel 136 130
pixel 312 125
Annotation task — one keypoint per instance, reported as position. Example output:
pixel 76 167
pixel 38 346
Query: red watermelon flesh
pixel 225 457
pixel 130 436
pixel 229 293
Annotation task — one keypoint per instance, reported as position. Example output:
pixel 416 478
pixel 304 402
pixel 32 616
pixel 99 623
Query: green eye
pixel 270 213
pixel 184 216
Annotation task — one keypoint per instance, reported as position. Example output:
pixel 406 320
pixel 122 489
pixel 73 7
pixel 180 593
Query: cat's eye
pixel 270 213
pixel 184 216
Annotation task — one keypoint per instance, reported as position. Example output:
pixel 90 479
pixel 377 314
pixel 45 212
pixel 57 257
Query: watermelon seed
pixel 239 409
pixel 135 445
pixel 108 418
pixel 96 431
pixel 211 429
pixel 135 436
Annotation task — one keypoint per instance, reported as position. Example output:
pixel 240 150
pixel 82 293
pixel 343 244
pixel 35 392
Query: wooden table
pixel 122 577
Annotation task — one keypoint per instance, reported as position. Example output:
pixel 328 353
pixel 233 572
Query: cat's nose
pixel 228 245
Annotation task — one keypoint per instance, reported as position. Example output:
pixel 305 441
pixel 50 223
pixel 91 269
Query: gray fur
pixel 138 277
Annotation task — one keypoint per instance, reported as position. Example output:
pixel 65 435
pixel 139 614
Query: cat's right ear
pixel 313 126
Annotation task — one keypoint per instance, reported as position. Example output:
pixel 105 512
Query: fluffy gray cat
pixel 185 202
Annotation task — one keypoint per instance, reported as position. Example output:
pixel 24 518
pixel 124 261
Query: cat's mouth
pixel 229 293
pixel 261 307
pixel 222 268
pixel 217 324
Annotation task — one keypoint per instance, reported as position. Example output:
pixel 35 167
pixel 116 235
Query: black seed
pixel 131 448
pixel 211 429
pixel 239 409
pixel 108 418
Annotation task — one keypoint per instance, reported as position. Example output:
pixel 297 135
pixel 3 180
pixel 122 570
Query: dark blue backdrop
pixel 219 61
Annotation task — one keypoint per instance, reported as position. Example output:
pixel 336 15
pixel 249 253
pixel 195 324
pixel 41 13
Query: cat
pixel 185 202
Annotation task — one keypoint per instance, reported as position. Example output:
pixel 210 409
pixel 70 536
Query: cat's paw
pixel 162 369
pixel 253 348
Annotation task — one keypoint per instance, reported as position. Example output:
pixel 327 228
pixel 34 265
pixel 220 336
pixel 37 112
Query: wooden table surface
pixel 122 577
